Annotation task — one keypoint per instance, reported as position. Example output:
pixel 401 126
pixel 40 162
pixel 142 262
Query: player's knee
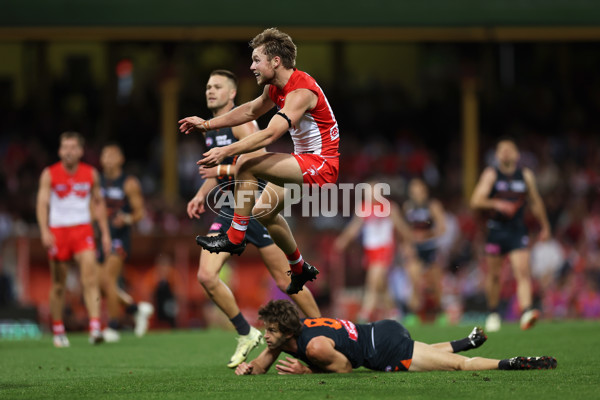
pixel 265 219
pixel 244 166
pixel 282 282
pixel 57 289
pixel 89 280
pixel 207 279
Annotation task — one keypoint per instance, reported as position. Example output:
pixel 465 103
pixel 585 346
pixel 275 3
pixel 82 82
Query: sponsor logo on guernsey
pixel 501 185
pixel 518 186
pixel 350 328
pixel 223 140
pixel 114 193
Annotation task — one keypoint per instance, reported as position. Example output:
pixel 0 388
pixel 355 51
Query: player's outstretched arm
pixel 260 365
pixel 297 103
pixel 247 112
pixel 349 233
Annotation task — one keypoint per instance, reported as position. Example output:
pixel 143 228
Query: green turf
pixel 191 364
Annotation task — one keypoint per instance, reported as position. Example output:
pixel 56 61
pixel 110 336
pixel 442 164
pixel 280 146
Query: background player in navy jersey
pixel 220 94
pixel 503 191
pixel 304 111
pixel 335 345
pixel 426 220
pixel 125 205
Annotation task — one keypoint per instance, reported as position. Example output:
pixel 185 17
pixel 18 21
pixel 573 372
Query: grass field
pixel 191 364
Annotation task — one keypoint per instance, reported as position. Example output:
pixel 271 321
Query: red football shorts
pixel 318 169
pixel 70 240
pixel 383 255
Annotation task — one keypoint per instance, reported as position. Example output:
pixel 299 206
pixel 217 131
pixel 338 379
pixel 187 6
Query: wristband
pixel 219 170
pixel 229 169
pixel 205 126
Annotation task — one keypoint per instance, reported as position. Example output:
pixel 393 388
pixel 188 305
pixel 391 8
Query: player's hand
pixel 544 234
pixel 195 207
pixel 291 366
pixel 47 239
pixel 507 208
pixel 106 243
pixel 121 219
pixel 213 157
pixel 244 369
pixel 209 172
pixel 191 124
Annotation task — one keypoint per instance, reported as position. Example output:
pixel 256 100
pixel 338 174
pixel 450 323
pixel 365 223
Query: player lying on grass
pixel 335 345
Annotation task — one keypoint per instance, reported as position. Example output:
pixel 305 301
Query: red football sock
pixel 296 261
pixel 237 231
pixel 58 328
pixel 94 324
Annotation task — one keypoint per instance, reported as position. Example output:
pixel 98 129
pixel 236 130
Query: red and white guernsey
pixel 317 131
pixel 377 231
pixel 70 195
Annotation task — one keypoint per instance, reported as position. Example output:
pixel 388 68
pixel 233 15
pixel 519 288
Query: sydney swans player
pixel 304 111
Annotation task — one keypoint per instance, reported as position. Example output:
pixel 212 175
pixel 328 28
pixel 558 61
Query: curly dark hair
pixel 284 313
pixel 277 44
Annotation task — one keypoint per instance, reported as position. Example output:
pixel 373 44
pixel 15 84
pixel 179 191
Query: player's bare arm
pixel 292 366
pixel 99 210
pixel 42 209
pixel 480 199
pixel 439 217
pixel 400 225
pixel 133 191
pixel 195 206
pixel 349 233
pixel 321 352
pixel 260 365
pixel 239 132
pixel 247 112
pixel 537 205
pixel 297 103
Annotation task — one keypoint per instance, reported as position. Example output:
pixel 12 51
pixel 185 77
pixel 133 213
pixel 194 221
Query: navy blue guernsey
pixel 353 341
pixel 511 188
pixel 419 216
pixel 113 191
pixel 219 138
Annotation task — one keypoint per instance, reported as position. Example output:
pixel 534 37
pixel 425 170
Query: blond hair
pixel 276 44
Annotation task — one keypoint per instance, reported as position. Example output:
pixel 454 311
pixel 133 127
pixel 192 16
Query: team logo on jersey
pixel 209 141
pixel 502 186
pixel 334 132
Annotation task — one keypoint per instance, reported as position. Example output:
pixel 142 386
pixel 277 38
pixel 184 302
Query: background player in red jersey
pixel 503 191
pixel 304 111
pixel 67 192
pixel 382 218
pixel 221 90
pixel 336 345
pixel 125 206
